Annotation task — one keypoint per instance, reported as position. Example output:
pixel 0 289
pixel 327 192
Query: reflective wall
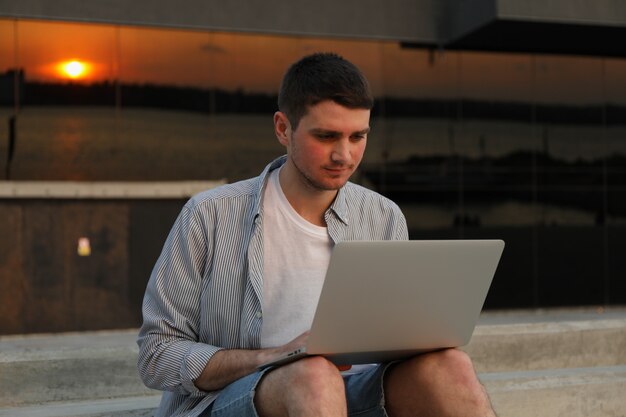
pixel 527 148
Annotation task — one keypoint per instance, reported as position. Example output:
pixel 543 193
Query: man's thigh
pixel 364 395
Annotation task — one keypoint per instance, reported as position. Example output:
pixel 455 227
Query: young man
pixel 239 277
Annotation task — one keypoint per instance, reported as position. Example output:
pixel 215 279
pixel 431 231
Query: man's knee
pixel 309 381
pixel 453 363
pixel 445 369
pixel 457 370
pixel 438 383
pixel 314 374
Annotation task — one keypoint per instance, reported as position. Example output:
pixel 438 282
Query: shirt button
pixel 258 314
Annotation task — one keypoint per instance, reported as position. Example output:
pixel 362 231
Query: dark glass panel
pixel 616 237
pixel 10 88
pixel 570 261
pixel 512 285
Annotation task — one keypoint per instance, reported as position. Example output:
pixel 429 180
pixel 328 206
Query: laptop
pixel 390 300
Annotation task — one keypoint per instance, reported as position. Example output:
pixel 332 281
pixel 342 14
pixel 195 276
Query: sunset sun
pixel 75 69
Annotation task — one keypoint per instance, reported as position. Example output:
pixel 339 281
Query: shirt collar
pixel 262 181
pixel 339 207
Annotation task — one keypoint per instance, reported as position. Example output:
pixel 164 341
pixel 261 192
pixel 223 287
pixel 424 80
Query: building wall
pixel 527 148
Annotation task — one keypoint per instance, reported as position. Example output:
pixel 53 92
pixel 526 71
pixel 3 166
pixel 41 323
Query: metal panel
pixel 596 12
pixel 409 20
pixel 461 17
pixel 452 24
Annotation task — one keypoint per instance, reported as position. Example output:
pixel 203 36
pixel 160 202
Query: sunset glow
pixel 74 69
pixel 94 53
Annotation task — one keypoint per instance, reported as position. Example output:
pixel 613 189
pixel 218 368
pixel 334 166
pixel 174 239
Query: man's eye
pixel 325 136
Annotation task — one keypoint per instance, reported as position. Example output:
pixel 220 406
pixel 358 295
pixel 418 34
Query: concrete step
pixel 540 363
pixel 577 392
pixel 553 362
pixel 117 407
pixel 572 392
pixel 548 339
pixel 66 367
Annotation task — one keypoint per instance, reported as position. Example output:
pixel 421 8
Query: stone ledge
pixel 97 366
pixel 104 189
pixel 579 392
pixel 541 345
pixel 118 407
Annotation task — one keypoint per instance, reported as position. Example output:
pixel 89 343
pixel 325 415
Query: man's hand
pixel 271 354
pixel 228 365
pixel 296 343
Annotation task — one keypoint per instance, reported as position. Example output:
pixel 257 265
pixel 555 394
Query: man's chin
pixel 332 185
pixel 326 184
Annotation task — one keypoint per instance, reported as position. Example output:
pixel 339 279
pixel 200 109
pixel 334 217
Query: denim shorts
pixel 364 394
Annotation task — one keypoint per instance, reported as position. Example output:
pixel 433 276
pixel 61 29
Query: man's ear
pixel 282 128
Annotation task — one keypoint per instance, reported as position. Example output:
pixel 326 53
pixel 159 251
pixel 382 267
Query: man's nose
pixel 341 151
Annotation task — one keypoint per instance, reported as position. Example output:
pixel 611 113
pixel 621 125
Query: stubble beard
pixel 312 183
pixel 308 180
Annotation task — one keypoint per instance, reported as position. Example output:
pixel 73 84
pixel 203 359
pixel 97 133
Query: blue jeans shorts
pixel 364 394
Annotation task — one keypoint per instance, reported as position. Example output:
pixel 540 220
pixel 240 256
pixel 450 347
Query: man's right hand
pixel 228 365
pixel 298 342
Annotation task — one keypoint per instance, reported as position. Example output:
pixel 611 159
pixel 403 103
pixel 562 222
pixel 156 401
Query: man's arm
pixel 228 365
pixel 170 354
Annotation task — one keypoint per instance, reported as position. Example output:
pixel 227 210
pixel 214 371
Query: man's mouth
pixel 339 169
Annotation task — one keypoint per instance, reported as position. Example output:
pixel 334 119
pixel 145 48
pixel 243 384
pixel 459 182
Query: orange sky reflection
pixel 256 63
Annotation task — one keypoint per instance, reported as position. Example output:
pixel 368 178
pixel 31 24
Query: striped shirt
pixel 205 292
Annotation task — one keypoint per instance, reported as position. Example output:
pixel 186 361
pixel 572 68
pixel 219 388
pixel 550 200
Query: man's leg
pixel 308 387
pixel 442 383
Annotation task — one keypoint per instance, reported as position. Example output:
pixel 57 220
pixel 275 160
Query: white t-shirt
pixel 295 259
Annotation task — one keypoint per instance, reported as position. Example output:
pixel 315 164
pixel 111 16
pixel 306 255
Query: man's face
pixel 328 144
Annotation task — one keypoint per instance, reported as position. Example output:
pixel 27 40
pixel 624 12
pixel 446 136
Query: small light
pixel 84 246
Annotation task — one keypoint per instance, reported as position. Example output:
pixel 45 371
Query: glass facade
pixel 527 148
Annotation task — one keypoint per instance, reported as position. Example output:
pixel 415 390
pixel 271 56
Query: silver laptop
pixel 389 300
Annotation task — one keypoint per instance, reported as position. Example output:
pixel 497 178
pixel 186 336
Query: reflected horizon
pixel 210 60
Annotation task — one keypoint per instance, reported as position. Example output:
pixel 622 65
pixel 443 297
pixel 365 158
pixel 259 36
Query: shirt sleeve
pixel 401 230
pixel 170 355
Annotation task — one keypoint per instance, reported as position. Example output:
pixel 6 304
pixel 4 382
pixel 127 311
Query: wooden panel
pixel 48 291
pixel 100 280
pixel 45 286
pixel 11 272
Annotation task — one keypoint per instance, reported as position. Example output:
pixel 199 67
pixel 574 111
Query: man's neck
pixel 311 204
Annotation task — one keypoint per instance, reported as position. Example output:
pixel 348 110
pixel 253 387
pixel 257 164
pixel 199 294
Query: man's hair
pixel 319 77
